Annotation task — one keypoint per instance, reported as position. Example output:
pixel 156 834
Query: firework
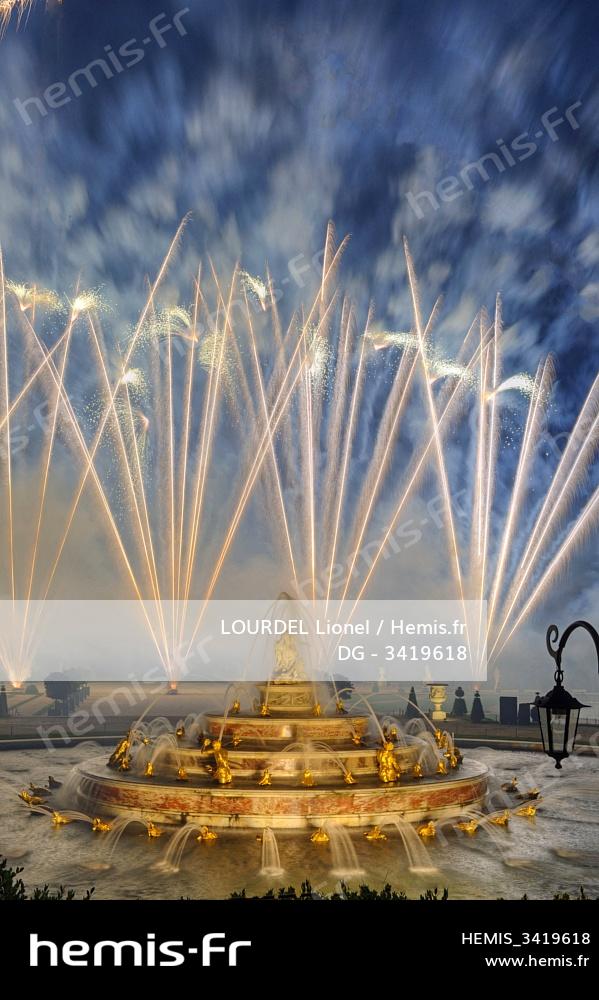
pixel 30 297
pixel 13 8
pixel 134 380
pixel 255 287
pixel 87 301
pixel 324 444
pixel 175 321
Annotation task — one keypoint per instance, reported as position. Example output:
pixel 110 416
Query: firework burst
pixel 324 448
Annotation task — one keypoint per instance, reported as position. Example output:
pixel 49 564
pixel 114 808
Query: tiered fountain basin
pixel 288 742
pixel 278 806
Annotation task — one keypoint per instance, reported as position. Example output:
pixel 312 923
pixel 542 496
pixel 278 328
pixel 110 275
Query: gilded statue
pixel 389 769
pixel 222 771
pixel 121 752
pixel 100 825
pixel 375 834
pixel 289 664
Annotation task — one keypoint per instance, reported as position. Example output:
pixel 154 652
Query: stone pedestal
pixel 437 696
pixel 289 698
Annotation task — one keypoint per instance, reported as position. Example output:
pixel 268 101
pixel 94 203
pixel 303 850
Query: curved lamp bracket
pixel 555 651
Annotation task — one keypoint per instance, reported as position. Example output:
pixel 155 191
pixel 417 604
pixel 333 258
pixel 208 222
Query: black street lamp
pixel 559 710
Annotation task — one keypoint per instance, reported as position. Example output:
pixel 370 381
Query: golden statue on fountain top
pixel 289 664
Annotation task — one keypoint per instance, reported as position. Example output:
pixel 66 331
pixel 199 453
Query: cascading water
pixel 418 857
pixel 343 852
pixel 271 862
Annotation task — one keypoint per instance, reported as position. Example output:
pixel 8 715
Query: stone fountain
pixel 293 758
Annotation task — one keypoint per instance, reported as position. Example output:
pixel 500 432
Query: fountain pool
pixel 556 851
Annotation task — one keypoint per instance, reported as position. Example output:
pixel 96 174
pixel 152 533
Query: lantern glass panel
pixel 559 729
pixel 544 716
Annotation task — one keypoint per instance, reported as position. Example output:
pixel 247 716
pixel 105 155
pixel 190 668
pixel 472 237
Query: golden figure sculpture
pixel 180 732
pixel 375 834
pixel 59 820
pixel 182 774
pixel 510 786
pixel 207 836
pixel 320 836
pixel 31 800
pixel 236 740
pixel 357 739
pixel 317 710
pixel 266 778
pixel 149 771
pixel 441 767
pixel 264 710
pixel 389 769
pixel 235 707
pixel 125 764
pixel 121 751
pixel 528 811
pixel 100 825
pixel 289 664
pixel 308 778
pixel 349 778
pixel 453 760
pixel 439 738
pixel 222 771
pixel 340 707
pixel 469 826
pixel 502 819
pixel 417 771
pixel 153 831
pixel 427 829
pixel 206 744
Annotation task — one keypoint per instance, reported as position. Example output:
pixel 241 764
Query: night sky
pixel 265 119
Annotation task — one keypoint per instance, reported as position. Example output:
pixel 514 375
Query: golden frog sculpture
pixel 375 834
pixel 469 826
pixel 100 825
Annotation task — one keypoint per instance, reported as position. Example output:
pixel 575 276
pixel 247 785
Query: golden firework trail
pixel 325 449
pixel 10 9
